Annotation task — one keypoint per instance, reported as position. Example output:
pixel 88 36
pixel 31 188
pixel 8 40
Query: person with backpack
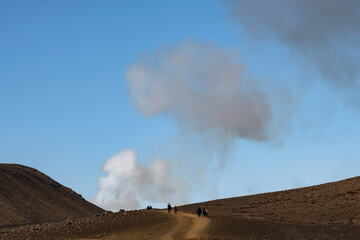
pixel 205 212
pixel 198 211
pixel 176 209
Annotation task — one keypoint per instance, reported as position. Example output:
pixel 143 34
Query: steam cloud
pixel 128 183
pixel 203 87
pixel 325 32
pixel 206 88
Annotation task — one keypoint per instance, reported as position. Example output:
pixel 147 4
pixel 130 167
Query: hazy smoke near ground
pixel 128 183
pixel 325 32
pixel 204 88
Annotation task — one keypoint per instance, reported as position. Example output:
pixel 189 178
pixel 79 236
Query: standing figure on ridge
pixel 205 211
pixel 169 208
pixel 176 209
pixel 198 211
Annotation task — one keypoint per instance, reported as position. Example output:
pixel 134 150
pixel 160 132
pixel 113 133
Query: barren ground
pixel 29 196
pixel 327 211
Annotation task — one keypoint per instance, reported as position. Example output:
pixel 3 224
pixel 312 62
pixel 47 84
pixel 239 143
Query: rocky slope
pixel 328 211
pixel 29 196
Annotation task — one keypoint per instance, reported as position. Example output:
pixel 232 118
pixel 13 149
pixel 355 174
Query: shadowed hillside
pixel 29 196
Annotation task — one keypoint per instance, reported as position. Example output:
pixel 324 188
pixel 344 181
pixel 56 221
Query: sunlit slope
pixel 326 211
pixel 329 203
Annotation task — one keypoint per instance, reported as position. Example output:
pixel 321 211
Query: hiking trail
pixel 189 227
pixel 183 226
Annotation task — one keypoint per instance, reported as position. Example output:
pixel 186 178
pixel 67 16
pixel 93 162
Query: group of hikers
pixel 169 208
pixel 198 211
pixel 149 208
pixel 204 211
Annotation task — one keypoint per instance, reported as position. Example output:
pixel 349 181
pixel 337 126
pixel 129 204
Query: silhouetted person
pixel 150 207
pixel 176 208
pixel 169 208
pixel 198 211
pixel 204 212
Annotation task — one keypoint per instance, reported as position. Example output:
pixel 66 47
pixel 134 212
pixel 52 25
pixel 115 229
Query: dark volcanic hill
pixel 29 196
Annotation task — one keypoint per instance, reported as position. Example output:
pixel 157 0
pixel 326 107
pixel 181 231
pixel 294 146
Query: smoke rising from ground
pixel 204 88
pixel 207 91
pixel 325 32
pixel 128 183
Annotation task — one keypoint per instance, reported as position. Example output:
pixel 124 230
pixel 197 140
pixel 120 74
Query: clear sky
pixel 67 104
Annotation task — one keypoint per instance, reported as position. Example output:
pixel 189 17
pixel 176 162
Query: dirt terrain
pixel 29 196
pixel 327 211
pixel 122 225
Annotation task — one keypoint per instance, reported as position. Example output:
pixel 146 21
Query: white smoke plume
pixel 206 90
pixel 128 183
pixel 203 87
pixel 326 33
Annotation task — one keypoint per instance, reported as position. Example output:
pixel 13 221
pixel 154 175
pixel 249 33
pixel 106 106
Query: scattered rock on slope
pixel 29 196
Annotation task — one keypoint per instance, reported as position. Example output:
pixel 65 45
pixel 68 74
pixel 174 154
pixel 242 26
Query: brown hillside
pixel 29 196
pixel 328 211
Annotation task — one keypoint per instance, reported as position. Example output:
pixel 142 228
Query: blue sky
pixel 65 106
